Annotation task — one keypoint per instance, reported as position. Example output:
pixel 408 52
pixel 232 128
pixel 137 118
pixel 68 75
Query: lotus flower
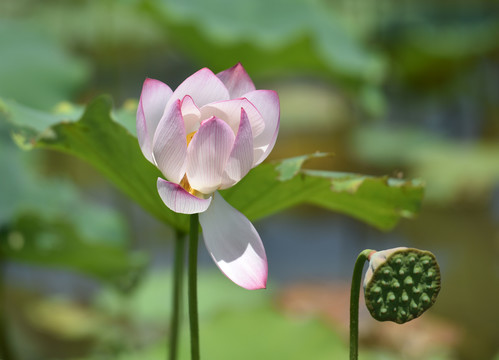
pixel 204 136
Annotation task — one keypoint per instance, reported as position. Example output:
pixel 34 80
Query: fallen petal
pixel 234 244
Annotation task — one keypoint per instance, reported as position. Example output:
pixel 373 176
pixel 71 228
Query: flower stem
pixel 5 347
pixel 178 274
pixel 354 303
pixel 193 297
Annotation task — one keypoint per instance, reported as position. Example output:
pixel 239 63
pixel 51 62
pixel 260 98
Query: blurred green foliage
pixel 35 69
pixel 230 317
pixel 58 243
pixel 452 169
pixel 108 146
pixel 306 36
pixel 380 202
pixel 390 87
pixel 48 222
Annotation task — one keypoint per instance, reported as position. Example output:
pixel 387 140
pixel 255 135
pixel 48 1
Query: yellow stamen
pixel 185 182
pixel 189 137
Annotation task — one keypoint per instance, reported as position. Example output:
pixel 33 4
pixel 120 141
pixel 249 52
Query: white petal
pixel 177 199
pixel 241 157
pixel 170 144
pixel 237 81
pixel 267 103
pixel 230 112
pixel 260 153
pixel 203 87
pixel 190 114
pixel 207 155
pixel 234 244
pixel 153 99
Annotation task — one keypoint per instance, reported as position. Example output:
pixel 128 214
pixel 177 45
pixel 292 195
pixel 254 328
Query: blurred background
pixel 404 88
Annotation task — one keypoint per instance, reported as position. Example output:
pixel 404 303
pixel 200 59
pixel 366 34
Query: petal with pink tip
pixel 234 244
pixel 153 99
pixel 267 103
pixel 230 112
pixel 207 155
pixel 237 81
pixel 177 199
pixel 191 114
pixel 203 87
pixel 170 144
pixel 241 157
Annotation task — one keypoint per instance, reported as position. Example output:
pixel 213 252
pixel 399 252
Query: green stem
pixel 193 297
pixel 354 303
pixel 178 274
pixel 6 351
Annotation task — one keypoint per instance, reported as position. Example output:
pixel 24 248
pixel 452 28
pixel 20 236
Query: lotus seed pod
pixel 401 284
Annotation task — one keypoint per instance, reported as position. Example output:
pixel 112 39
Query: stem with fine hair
pixel 354 303
pixel 178 274
pixel 193 301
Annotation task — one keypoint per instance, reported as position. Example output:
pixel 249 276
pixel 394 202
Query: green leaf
pixel 46 221
pixel 99 140
pixel 58 243
pixel 271 188
pixel 55 198
pixel 267 189
pixel 289 168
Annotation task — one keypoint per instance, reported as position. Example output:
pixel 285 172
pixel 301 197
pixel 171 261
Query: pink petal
pixel 241 157
pixel 237 81
pixel 179 200
pixel 191 114
pixel 153 99
pixel 170 144
pixel 207 155
pixel 267 103
pixel 203 87
pixel 234 244
pixel 230 112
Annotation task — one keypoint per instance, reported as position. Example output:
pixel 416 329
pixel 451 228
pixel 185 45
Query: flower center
pixel 184 182
pixel 189 137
